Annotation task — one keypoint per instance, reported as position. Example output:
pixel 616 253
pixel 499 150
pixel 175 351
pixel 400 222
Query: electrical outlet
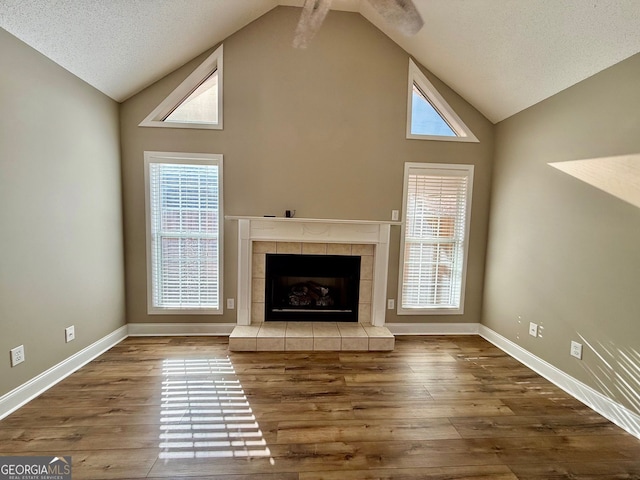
pixel 231 304
pixel 395 215
pixel 69 334
pixel 17 355
pixel 533 329
pixel 576 350
pixel 391 304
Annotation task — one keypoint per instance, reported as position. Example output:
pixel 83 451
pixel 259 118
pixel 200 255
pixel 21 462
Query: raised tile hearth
pixel 310 336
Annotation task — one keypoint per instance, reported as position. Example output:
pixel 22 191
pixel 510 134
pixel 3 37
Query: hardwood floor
pixel 434 408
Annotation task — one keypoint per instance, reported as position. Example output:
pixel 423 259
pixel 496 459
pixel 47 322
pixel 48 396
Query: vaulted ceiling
pixel 502 56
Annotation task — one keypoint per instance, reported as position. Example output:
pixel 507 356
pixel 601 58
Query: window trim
pixel 437 101
pixel 182 92
pixel 187 159
pixel 435 169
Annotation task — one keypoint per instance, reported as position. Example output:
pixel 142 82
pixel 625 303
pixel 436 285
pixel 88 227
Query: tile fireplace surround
pixel 260 235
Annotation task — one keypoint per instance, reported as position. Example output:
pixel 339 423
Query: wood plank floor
pixel 434 408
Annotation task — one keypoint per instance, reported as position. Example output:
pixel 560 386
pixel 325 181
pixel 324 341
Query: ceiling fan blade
pixel 313 13
pixel 401 14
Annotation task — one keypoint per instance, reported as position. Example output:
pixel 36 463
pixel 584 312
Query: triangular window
pixel 429 116
pixel 201 106
pixel 196 102
pixel 425 119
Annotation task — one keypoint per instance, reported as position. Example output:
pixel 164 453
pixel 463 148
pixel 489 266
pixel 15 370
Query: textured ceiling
pixel 122 46
pixel 501 55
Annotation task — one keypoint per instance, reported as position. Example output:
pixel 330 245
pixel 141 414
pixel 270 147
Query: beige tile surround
pixel 260 249
pixel 310 336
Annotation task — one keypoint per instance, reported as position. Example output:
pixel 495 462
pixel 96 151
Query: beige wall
pixel 61 258
pixel 320 131
pixel 562 253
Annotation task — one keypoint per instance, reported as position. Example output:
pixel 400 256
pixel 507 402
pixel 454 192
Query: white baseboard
pixel 21 395
pixel 180 329
pixel 224 329
pixel 433 328
pixel 612 411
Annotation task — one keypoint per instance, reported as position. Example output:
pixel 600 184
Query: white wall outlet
pixel 391 304
pixel 533 329
pixel 69 334
pixel 231 303
pixel 395 215
pixel 576 350
pixel 17 355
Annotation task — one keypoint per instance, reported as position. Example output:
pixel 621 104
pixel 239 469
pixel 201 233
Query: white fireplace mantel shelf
pixel 311 220
pixel 316 230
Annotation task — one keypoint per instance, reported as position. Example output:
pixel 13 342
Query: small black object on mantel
pixel 269 216
pixel 289 213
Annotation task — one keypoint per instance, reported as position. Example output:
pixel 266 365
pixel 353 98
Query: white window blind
pixel 184 223
pixel 435 231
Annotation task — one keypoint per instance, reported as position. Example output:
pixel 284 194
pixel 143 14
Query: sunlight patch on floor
pixel 205 412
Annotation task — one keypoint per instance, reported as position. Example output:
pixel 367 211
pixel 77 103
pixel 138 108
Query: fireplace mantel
pixel 310 220
pixel 312 230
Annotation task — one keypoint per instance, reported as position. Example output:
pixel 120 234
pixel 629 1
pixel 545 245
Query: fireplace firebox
pixel 312 287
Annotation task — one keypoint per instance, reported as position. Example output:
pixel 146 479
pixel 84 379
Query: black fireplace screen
pixel 312 287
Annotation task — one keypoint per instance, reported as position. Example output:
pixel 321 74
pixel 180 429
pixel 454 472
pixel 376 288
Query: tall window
pixel 437 207
pixel 184 212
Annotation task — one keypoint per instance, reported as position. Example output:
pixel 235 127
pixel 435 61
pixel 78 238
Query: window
pixel 425 119
pixel 199 107
pixel 184 232
pixel 196 102
pixel 429 116
pixel 437 207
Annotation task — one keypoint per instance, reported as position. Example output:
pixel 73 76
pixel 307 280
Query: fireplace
pixel 258 236
pixel 312 287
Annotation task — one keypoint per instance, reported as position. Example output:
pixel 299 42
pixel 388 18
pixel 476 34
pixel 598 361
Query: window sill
pixel 430 311
pixel 184 311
